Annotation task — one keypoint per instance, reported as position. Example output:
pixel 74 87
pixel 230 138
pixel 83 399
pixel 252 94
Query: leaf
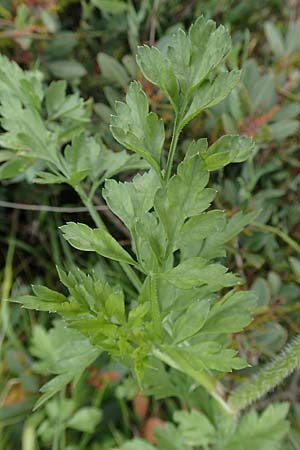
pixel 275 39
pixel 149 243
pixel 209 46
pixel 169 438
pixel 264 432
pixel 137 314
pixel 96 240
pixel 13 167
pixel 263 93
pixel 62 106
pixel 226 150
pixel 26 131
pixel 213 245
pixel 137 444
pixel 261 288
pixel 187 62
pixel 210 94
pixel 231 314
pixel 112 70
pixel 193 360
pixel 158 70
pixel 195 427
pixel 196 147
pixel 191 321
pixel 55 96
pixel 200 227
pixel 45 299
pixel 87 156
pixel 60 351
pixel 12 79
pixel 110 6
pixel 184 197
pixel 137 129
pixel 85 419
pixel 287 111
pixel 161 382
pixel 284 128
pixel 68 70
pixel 130 201
pixel 197 272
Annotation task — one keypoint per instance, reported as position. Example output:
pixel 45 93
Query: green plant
pixel 184 305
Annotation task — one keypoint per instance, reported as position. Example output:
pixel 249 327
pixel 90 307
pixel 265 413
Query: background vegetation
pixel 92 45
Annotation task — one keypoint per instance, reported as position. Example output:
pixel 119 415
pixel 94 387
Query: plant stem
pixel 96 403
pixel 269 229
pixel 267 378
pixel 172 150
pixel 58 442
pixel 206 380
pixel 91 207
pixel 155 309
pixel 99 223
pixel 5 321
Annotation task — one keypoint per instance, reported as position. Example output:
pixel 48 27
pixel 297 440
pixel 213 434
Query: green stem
pixel 267 378
pixel 96 402
pixel 99 223
pixel 206 380
pixel 155 309
pixel 90 206
pixel 132 276
pixel 58 442
pixel 269 229
pixel 5 321
pixel 172 150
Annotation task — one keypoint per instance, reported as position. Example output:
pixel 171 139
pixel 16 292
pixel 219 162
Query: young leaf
pixel 211 93
pixel 209 46
pixel 159 71
pixel 137 129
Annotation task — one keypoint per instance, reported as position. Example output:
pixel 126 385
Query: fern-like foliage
pixel 181 314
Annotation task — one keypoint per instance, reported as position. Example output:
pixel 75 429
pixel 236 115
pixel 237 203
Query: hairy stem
pixel 267 378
